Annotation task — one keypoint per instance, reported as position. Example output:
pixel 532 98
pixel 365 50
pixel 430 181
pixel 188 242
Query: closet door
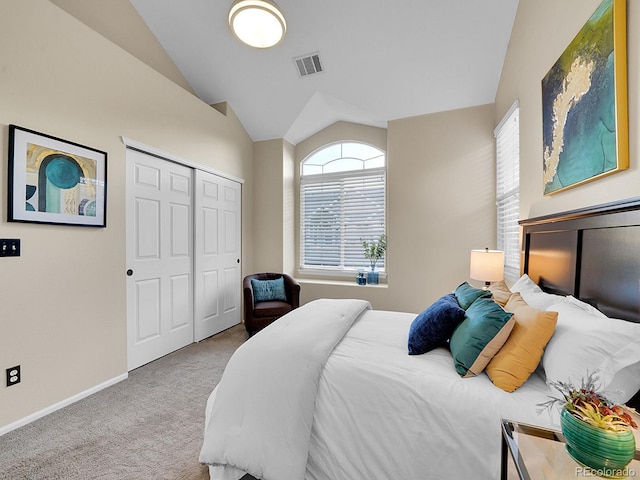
pixel 159 257
pixel 217 247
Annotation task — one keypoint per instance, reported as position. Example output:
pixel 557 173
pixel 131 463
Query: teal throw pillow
pixel 268 290
pixel 466 294
pixel 482 333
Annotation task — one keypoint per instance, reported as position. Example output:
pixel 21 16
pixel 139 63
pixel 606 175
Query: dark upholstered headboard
pixel 592 254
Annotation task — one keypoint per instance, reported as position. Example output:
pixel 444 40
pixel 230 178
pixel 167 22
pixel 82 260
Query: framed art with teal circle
pixel 55 181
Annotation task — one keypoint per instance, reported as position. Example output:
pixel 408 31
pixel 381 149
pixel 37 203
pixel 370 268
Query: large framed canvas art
pixel 584 104
pixel 55 181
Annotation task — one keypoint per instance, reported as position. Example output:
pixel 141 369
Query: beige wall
pixel 268 205
pixel 441 204
pixel 63 302
pixel 274 204
pixel 542 30
pixel 288 206
pixel 120 22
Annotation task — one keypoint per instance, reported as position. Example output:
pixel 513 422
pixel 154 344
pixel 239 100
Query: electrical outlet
pixel 9 247
pixel 13 375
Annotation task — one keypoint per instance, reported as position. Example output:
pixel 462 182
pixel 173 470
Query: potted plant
pixel 374 251
pixel 598 433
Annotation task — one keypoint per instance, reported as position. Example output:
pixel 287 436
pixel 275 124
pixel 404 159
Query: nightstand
pixel 539 453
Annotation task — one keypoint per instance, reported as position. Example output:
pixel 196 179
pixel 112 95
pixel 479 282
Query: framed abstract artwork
pixel 584 104
pixel 55 181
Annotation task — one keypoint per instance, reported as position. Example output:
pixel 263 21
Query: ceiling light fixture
pixel 258 23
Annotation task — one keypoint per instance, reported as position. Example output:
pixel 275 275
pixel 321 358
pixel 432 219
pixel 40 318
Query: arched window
pixel 342 204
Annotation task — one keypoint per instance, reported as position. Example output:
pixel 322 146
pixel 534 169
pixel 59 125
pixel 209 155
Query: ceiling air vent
pixel 308 64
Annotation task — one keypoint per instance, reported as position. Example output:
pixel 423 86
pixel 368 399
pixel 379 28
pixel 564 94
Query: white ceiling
pixel 383 59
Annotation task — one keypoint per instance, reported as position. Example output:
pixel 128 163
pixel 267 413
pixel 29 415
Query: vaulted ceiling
pixel 382 59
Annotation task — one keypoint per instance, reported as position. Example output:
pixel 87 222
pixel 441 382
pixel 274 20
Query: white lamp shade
pixel 487 265
pixel 258 23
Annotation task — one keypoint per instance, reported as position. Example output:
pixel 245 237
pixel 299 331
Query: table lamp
pixel 487 265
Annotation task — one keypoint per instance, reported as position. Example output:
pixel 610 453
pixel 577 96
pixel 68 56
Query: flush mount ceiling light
pixel 258 23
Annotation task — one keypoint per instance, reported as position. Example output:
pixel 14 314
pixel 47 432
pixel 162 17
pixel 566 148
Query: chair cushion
pixel 275 308
pixel 266 290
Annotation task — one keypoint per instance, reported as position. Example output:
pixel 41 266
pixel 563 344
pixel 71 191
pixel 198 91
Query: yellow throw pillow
pixel 500 292
pixel 522 352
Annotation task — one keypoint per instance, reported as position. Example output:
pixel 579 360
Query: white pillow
pixel 584 344
pixel 626 382
pixel 624 385
pixel 534 295
pixel 541 300
pixel 524 283
pixel 585 306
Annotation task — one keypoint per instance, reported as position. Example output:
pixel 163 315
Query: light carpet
pixel 149 426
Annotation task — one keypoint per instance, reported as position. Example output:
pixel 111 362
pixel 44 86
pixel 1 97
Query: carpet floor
pixel 149 426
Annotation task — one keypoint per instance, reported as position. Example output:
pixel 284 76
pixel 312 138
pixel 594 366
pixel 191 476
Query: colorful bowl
pixel 594 447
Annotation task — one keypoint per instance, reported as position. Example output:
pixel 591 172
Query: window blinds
pixel 339 211
pixel 507 135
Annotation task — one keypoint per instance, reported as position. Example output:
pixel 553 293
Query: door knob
pixel 129 272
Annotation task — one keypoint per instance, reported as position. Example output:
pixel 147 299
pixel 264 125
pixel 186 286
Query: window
pixel 342 203
pixel 507 135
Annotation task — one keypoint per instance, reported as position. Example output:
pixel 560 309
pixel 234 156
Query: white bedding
pixel 381 413
pixel 270 386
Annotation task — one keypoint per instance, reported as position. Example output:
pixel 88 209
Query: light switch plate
pixel 9 247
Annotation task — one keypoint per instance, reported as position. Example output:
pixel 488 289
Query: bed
pixel 329 391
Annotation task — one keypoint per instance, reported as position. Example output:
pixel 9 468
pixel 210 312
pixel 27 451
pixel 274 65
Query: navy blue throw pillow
pixel 434 327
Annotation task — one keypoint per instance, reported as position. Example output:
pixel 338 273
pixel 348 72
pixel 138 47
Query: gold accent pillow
pixel 522 352
pixel 500 292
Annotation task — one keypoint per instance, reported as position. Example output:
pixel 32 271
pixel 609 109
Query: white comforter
pixel 262 417
pixel 377 412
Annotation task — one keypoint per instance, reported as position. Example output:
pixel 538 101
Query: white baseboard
pixel 59 405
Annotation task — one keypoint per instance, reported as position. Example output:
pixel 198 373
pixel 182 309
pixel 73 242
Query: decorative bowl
pixel 604 451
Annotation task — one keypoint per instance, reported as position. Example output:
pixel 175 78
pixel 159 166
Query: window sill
pixel 342 283
pixel 319 273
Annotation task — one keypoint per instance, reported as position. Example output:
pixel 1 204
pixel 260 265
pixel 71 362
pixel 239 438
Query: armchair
pixel 258 314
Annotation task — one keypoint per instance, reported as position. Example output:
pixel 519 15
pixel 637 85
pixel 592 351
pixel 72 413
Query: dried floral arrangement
pixel 590 406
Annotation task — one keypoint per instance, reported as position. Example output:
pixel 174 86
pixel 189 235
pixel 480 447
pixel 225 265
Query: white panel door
pixel 217 248
pixel 159 257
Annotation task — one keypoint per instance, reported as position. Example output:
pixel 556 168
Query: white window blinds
pixel 507 135
pixel 339 211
